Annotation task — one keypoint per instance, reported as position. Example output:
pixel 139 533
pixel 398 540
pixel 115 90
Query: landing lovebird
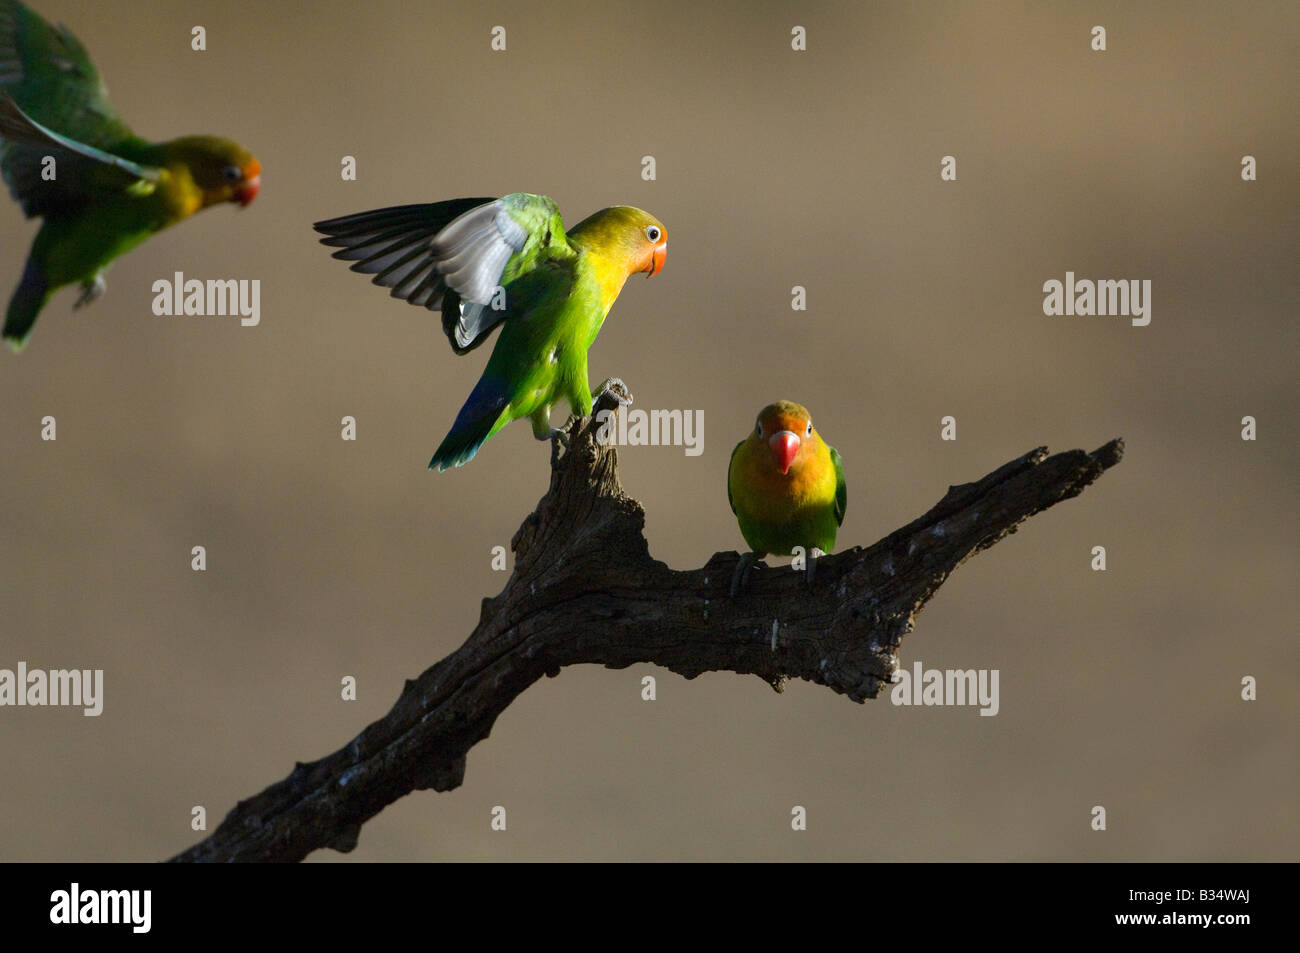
pixel 487 262
pixel 786 487
pixel 68 158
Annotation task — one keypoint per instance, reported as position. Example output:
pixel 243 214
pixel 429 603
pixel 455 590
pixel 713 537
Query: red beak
pixel 785 445
pixel 657 258
pixel 248 191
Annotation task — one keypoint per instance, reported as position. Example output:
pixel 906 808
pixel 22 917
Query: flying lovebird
pixel 786 487
pixel 98 187
pixel 507 262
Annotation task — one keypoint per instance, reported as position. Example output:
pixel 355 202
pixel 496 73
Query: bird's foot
pixel 615 387
pixel 90 290
pixel 810 570
pixel 740 577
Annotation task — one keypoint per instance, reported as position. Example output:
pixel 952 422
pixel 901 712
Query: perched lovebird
pixel 487 262
pixel 786 487
pixel 69 159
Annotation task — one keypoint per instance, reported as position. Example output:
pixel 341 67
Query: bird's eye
pixel 232 173
pixel 808 432
pixel 758 429
pixel 653 233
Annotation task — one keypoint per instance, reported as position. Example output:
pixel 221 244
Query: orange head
pixel 786 428
pixel 655 253
pixel 636 239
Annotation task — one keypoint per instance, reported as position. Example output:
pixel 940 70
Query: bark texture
pixel 585 589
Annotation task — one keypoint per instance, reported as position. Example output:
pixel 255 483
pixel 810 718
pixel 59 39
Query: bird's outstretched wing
pixel 459 256
pixel 841 491
pixel 47 71
pixel 53 103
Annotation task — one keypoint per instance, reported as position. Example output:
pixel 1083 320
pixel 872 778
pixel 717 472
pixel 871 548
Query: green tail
pixel 33 291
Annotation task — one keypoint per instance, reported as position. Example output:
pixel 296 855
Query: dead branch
pixel 586 590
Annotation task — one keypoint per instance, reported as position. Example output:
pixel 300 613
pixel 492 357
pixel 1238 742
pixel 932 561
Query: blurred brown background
pixel 820 169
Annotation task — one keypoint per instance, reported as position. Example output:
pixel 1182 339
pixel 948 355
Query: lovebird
pixel 99 188
pixel 507 262
pixel 786 487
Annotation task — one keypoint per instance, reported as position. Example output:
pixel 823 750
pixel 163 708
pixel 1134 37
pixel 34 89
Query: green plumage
pixel 68 158
pixel 802 506
pixel 507 262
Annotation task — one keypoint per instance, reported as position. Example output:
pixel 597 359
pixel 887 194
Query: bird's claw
pixel 740 577
pixel 615 387
pixel 90 290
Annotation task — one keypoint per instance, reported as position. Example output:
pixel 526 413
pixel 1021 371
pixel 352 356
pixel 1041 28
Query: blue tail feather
pixel 476 422
pixel 32 293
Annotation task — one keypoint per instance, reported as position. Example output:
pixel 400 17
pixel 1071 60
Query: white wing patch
pixel 472 322
pixel 472 251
